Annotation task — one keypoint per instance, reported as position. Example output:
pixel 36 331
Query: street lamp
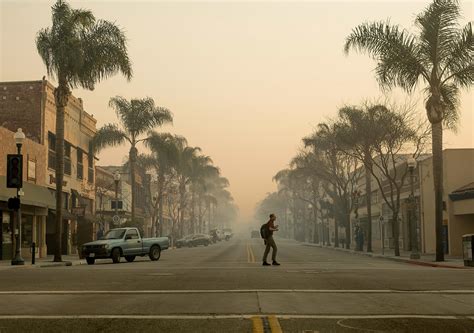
pixel 19 136
pixel 116 180
pixel 415 253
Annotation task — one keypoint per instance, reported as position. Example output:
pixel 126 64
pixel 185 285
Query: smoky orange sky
pixel 245 80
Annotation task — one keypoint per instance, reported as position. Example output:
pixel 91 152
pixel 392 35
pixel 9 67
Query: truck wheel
pixel 115 255
pixel 90 261
pixel 130 258
pixel 155 253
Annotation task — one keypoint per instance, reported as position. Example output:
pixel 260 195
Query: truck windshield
pixel 114 234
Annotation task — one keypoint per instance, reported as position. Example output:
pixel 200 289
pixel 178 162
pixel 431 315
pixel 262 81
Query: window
pixel 119 202
pixel 133 233
pixel 67 158
pixel 90 165
pixel 80 167
pixel 51 150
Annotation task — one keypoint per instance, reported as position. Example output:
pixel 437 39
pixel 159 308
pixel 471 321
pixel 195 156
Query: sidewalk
pixel 68 260
pixel 425 260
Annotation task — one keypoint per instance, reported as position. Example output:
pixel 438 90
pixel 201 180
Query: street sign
pixel 116 219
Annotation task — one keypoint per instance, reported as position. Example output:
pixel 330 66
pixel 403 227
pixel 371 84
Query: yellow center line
pixel 252 256
pixel 257 325
pixel 248 252
pixel 274 324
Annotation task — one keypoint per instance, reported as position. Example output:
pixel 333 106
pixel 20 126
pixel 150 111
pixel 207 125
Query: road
pixel 224 288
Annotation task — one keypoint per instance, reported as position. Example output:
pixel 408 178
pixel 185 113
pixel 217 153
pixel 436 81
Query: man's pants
pixel 270 243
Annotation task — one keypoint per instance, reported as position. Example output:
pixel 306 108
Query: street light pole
pixel 116 180
pixel 19 136
pixel 415 254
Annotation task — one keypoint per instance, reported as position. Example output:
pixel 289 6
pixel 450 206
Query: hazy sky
pixel 245 80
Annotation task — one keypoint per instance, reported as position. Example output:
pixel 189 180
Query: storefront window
pixel 26 230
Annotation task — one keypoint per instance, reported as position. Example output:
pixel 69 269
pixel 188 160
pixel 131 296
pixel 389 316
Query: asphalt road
pixel 224 288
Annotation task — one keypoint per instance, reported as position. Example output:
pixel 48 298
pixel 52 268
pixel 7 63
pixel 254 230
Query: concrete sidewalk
pixel 68 260
pixel 425 260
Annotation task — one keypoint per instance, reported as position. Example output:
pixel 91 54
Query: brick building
pixel 31 106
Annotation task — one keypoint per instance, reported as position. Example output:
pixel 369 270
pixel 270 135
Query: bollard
pixel 33 253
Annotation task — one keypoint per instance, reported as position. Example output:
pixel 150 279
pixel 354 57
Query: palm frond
pixel 438 29
pixel 107 136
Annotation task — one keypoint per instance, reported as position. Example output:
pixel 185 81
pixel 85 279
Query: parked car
pixel 123 242
pixel 255 234
pixel 214 235
pixel 227 234
pixel 200 239
pixel 182 242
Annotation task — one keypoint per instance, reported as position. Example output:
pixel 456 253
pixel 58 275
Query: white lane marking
pixel 230 316
pixel 238 291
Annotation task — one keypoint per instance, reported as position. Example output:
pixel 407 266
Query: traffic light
pixel 14 171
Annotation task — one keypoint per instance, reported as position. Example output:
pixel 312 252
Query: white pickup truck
pixel 123 242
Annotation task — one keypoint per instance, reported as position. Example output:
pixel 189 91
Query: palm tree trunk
pixel 368 194
pixel 193 211
pixel 160 203
pixel 133 158
pixel 61 95
pixel 437 148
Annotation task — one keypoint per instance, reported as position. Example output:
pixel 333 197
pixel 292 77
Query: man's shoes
pixel 274 263
pixel 265 264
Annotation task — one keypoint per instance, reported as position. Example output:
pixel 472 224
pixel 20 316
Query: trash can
pixel 467 247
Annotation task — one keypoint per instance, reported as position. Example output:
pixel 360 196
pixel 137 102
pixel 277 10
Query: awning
pixel 34 195
pixel 464 193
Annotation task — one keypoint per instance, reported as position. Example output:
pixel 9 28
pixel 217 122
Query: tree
pixel 389 167
pixel 340 172
pixel 137 118
pixel 79 51
pixel 163 158
pixel 358 132
pixel 440 56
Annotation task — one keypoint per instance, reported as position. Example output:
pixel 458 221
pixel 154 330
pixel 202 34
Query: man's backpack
pixel 264 231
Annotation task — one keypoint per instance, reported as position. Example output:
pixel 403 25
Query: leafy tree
pixel 79 51
pixel 439 56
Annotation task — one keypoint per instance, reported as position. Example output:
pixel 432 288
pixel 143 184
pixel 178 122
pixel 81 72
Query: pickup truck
pixel 123 242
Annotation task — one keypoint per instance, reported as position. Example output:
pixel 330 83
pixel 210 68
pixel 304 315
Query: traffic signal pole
pixel 18 260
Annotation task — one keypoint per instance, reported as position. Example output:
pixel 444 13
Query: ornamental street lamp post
pixel 19 136
pixel 415 254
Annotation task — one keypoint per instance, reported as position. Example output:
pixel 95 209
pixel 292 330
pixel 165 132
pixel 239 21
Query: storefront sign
pixel 79 211
pixel 31 170
pixel 52 180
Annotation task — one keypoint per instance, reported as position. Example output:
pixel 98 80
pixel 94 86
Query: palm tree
pixel 79 51
pixel 137 118
pixel 358 129
pixel 163 158
pixel 201 170
pixel 440 56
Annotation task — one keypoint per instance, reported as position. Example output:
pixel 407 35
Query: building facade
pixel 31 106
pixel 458 206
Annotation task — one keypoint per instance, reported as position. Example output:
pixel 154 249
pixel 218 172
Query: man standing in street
pixel 270 242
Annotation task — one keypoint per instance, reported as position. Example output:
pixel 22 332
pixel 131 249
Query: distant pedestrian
pixel 269 241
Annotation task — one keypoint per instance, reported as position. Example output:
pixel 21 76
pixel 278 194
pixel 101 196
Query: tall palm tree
pixel 358 129
pixel 201 170
pixel 163 158
pixel 440 55
pixel 137 117
pixel 79 51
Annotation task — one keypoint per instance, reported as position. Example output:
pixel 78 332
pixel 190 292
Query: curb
pixel 398 259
